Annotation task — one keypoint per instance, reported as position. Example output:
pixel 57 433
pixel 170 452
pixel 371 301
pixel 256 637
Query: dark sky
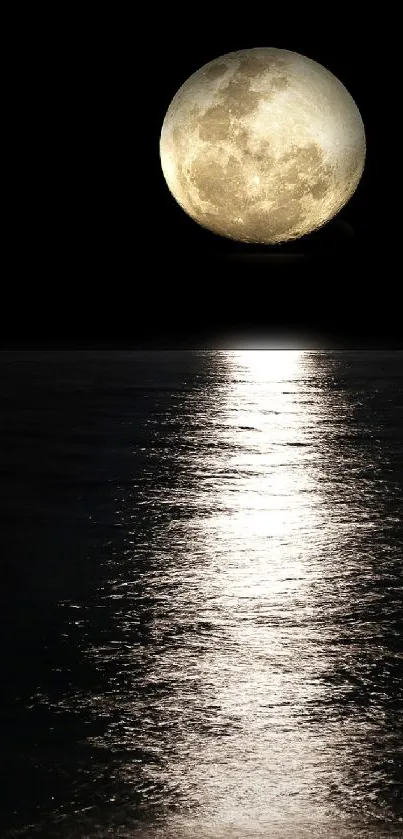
pixel 103 255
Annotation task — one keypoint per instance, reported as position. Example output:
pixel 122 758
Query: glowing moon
pixel 262 145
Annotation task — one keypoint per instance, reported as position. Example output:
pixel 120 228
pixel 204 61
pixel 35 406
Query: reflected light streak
pixel 268 434
pixel 268 365
pixel 255 571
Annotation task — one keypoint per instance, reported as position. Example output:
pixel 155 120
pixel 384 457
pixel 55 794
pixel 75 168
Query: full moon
pixel 262 145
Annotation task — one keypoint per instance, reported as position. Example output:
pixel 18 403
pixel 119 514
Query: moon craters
pixel 262 145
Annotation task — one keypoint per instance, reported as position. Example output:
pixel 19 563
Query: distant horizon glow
pixel 277 341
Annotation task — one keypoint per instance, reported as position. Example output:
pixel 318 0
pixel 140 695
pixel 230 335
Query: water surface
pixel 202 602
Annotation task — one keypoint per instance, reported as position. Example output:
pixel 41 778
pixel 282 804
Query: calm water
pixel 202 602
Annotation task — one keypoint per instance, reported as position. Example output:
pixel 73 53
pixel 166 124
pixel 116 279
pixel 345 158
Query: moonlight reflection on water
pixel 240 622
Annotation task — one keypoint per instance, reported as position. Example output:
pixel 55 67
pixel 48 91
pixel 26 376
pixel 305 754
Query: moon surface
pixel 262 145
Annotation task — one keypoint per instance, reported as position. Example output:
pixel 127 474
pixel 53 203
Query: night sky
pixel 104 256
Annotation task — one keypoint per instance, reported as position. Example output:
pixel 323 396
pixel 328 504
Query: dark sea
pixel 202 594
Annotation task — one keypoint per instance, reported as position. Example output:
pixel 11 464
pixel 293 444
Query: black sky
pixel 103 255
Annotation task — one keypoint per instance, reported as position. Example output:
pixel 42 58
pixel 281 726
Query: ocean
pixel 202 599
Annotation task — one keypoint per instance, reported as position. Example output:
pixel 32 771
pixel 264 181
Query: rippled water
pixel 203 604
